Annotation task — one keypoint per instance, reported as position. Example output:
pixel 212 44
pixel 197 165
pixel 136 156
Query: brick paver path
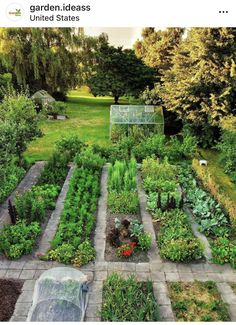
pixel 156 270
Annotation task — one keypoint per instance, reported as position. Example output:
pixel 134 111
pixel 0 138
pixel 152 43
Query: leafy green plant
pixel 223 251
pixel 90 160
pixel 123 202
pixel 84 254
pixel 63 254
pixel 175 238
pixel 144 241
pixel 136 228
pixel 19 239
pixel 10 176
pixel 78 217
pixel 128 300
pixel 29 207
pixel 55 171
pixel 70 147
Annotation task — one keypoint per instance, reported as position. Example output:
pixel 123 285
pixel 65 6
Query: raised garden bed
pixel 30 211
pixel 9 293
pixel 125 236
pixel 212 218
pixel 73 241
pixel 175 238
pixel 197 302
pixel 128 300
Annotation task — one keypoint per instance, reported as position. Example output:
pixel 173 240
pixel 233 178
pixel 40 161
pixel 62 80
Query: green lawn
pixel 217 171
pixel 88 118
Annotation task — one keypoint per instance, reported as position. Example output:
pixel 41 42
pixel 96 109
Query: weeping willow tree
pixel 44 58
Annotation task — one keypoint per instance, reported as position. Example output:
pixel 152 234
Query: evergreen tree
pixel 201 84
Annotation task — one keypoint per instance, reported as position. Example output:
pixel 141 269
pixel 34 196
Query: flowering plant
pixel 126 250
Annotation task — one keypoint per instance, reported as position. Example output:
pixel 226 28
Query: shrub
pixel 29 207
pixel 10 176
pixel 227 145
pixel 223 251
pixel 55 171
pixel 84 254
pixel 123 202
pixel 90 160
pixel 19 239
pixel 70 147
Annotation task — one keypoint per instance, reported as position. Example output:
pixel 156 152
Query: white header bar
pixel 118 13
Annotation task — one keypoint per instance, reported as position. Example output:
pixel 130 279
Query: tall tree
pixel 201 84
pixel 119 72
pixel 42 58
pixel 156 47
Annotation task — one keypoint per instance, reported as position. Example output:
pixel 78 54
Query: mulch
pixel 9 293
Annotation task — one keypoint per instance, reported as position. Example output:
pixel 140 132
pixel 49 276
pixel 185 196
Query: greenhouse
pixel 140 115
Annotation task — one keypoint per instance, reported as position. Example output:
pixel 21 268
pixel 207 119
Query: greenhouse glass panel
pixel 137 115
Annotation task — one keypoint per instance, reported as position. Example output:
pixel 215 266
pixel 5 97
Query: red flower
pixel 133 244
pixel 127 252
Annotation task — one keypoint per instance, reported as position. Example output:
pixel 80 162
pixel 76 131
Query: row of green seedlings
pixel 72 243
pixel 213 220
pixel 30 210
pixel 128 235
pixel 165 201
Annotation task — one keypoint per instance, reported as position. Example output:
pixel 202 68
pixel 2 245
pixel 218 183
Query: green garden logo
pixel 14 11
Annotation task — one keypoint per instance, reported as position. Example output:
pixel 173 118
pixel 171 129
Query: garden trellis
pixel 137 115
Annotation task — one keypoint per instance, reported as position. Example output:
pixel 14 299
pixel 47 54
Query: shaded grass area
pixel 128 300
pixel 197 301
pixel 217 172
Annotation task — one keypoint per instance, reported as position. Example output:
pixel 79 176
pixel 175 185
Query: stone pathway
pixel 54 220
pixel 156 270
pixel 27 182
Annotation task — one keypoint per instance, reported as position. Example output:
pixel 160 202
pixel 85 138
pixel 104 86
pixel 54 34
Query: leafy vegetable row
pixel 175 237
pixel 72 242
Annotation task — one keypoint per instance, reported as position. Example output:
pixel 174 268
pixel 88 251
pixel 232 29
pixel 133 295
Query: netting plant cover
pixel 136 115
pixel 60 294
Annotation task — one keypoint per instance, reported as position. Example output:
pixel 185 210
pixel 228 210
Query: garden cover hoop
pixel 60 294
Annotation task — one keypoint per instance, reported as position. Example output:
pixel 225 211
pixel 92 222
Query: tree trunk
pixel 116 98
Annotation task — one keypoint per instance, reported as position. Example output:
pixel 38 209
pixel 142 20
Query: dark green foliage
pixel 90 160
pixel 30 208
pixel 55 171
pixel 10 176
pixel 223 251
pixel 78 218
pixel 227 146
pixel 70 147
pixel 19 239
pixel 111 75
pixel 128 300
